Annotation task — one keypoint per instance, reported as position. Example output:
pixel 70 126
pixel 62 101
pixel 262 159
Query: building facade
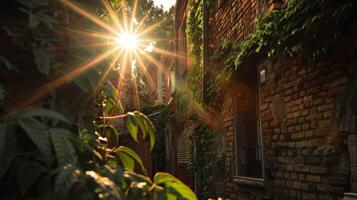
pixel 287 133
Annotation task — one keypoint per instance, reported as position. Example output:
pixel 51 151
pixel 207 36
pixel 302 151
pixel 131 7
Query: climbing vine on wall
pixel 300 24
pixel 202 153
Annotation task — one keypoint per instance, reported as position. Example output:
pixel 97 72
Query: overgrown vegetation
pixel 60 147
pixel 203 155
pixel 311 26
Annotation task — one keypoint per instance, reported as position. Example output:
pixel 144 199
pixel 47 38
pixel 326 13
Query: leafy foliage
pixel 299 25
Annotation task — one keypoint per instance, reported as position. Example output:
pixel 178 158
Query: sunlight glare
pixel 127 41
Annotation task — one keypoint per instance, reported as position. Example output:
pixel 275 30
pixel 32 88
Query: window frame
pixel 238 177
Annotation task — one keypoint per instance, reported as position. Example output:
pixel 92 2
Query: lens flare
pixel 127 41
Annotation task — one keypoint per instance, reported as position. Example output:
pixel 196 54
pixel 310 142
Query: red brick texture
pixel 305 150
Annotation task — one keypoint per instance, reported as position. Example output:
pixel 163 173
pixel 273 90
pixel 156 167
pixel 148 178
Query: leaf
pixel 141 123
pixel 27 174
pixel 171 182
pixel 8 152
pixel 129 154
pixel 2 92
pixel 128 162
pixel 87 81
pixel 151 130
pixel 43 57
pixel 33 20
pixel 106 186
pixel 109 131
pixel 132 127
pixel 33 3
pixel 134 177
pixel 39 134
pixel 8 64
pixel 3 129
pixel 42 112
pixel 65 152
pixel 65 179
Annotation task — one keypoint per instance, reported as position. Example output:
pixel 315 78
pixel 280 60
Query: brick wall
pixel 306 153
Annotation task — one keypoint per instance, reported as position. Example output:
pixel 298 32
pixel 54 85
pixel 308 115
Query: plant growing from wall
pixel 299 25
pixel 202 152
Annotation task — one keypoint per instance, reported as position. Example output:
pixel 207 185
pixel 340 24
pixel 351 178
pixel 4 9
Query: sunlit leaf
pixel 132 127
pixel 171 182
pixel 129 154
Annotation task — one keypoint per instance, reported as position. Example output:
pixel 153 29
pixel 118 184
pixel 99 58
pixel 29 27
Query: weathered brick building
pixel 289 125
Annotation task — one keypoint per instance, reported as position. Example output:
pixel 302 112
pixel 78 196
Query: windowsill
pixel 248 181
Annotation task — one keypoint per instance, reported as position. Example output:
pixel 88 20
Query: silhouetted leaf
pixel 39 134
pixel 42 112
pixel 3 128
pixel 27 174
pixel 65 179
pixel 43 55
pixel 9 152
pixel 8 64
pixel 65 152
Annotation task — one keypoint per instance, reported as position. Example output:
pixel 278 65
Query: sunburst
pixel 124 39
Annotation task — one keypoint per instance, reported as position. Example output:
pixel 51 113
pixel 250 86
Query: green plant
pixel 312 26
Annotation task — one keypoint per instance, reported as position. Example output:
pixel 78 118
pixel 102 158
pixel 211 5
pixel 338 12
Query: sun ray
pixel 94 45
pixel 47 88
pixel 89 34
pixel 131 28
pixel 146 73
pixel 140 24
pixel 89 16
pixel 113 15
pixel 154 61
pixel 150 28
pixel 168 53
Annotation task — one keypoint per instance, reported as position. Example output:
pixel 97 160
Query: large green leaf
pixel 106 187
pixel 132 126
pixel 27 174
pixel 42 112
pixel 173 183
pixel 65 179
pixel 128 162
pixel 65 152
pixel 9 152
pixel 39 134
pixel 87 81
pixel 129 156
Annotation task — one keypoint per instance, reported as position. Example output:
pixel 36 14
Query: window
pixel 248 138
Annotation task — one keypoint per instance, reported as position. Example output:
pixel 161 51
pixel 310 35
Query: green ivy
pixel 300 24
